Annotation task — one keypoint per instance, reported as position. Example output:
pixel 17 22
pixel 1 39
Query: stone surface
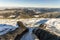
pixel 13 35
pixel 45 35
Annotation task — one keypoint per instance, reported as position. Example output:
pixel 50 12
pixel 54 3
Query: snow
pixel 7 25
pixel 6 28
pixel 54 26
pixel 40 21
pixel 28 35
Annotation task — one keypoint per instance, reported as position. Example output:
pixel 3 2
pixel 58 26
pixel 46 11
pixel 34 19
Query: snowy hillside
pixel 52 24
pixel 6 28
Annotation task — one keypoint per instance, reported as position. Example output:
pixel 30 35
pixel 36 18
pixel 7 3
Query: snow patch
pixel 6 28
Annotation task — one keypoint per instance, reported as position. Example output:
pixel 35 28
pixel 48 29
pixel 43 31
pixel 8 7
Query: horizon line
pixel 29 7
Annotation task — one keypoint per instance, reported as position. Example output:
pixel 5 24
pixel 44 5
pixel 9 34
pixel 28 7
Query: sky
pixel 30 3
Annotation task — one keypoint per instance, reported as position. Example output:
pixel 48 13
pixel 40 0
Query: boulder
pixel 45 35
pixel 42 26
pixel 16 34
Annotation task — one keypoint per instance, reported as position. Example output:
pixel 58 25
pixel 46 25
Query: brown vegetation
pixel 25 13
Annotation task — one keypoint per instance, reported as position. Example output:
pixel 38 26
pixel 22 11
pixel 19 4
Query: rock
pixel 43 26
pixel 45 35
pixel 16 34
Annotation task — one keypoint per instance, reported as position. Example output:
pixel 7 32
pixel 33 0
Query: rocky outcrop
pixel 42 26
pixel 16 34
pixel 45 35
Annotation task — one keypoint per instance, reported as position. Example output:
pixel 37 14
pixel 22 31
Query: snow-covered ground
pixel 6 28
pixel 52 24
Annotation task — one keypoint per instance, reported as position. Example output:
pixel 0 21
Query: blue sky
pixel 29 3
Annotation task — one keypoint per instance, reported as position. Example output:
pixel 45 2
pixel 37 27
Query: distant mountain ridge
pixel 30 12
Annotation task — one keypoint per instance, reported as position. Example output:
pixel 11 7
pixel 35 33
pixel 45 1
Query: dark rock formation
pixel 45 35
pixel 16 34
pixel 18 37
